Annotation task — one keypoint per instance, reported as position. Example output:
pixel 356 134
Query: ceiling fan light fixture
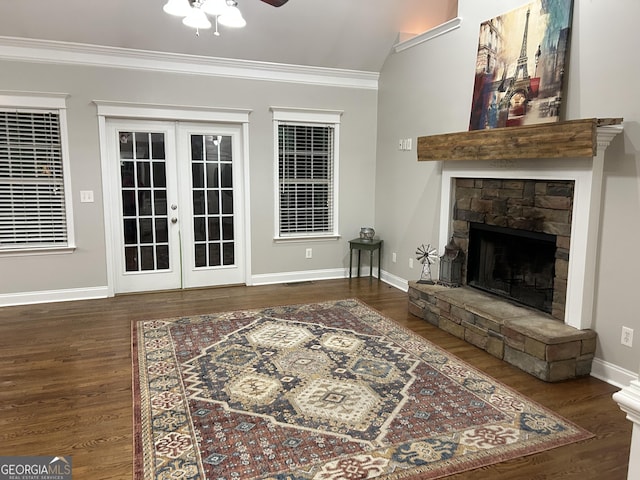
pixel 215 7
pixel 178 8
pixel 197 18
pixel 232 17
pixel 225 12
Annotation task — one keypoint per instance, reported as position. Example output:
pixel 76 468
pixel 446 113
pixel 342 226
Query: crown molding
pixel 435 32
pixel 67 53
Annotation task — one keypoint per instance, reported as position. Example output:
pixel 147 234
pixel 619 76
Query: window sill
pixel 27 252
pixel 309 238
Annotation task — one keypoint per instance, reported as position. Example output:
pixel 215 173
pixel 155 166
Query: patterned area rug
pixel 323 391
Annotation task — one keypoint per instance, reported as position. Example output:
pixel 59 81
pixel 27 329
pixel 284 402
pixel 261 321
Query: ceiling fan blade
pixel 275 3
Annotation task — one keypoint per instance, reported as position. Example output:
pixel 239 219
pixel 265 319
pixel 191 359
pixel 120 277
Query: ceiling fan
pixel 275 3
pixel 194 12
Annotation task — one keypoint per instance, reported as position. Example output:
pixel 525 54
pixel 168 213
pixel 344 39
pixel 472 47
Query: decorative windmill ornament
pixel 427 256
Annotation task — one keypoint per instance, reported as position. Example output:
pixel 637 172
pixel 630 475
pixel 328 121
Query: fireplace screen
pixel 516 264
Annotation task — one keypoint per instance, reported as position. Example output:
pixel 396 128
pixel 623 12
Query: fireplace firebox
pixel 512 263
pixel 537 214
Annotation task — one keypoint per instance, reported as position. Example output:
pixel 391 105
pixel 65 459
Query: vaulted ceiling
pixel 345 34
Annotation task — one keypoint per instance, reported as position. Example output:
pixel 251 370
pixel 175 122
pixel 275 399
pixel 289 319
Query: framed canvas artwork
pixel 520 66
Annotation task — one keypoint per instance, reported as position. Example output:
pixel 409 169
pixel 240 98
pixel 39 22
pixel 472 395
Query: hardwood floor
pixel 65 379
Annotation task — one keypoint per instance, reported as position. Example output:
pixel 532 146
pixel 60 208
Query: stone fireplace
pixel 523 204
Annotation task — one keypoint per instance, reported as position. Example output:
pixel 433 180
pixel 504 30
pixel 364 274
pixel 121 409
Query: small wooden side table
pixel 369 245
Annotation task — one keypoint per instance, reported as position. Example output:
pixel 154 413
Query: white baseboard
pixel 395 281
pixel 302 276
pixel 46 296
pixel 330 274
pixel 612 374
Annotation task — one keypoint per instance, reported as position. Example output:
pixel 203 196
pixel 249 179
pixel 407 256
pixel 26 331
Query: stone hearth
pixel 526 338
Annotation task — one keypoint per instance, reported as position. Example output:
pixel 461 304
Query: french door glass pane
pixel 212 175
pixel 157 141
pixel 163 257
pixel 197 170
pixel 214 254
pixel 200 254
pixel 214 228
pixel 228 252
pixel 146 254
pixel 213 201
pixel 159 174
pixel 129 203
pixel 199 229
pixel 198 202
pixel 144 202
pixel 130 231
pixel 143 178
pixel 160 202
pixel 212 196
pixel 227 201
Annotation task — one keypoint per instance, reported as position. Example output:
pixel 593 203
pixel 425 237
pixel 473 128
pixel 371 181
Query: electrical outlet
pixel 393 257
pixel 410 262
pixel 627 336
pixel 308 253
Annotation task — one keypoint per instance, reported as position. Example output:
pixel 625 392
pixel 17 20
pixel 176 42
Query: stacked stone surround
pixel 528 339
pixel 532 205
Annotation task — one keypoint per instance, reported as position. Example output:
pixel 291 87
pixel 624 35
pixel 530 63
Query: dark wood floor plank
pixel 65 379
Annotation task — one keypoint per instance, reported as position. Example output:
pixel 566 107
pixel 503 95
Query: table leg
pixel 350 260
pixel 379 260
pixel 358 272
pixel 370 264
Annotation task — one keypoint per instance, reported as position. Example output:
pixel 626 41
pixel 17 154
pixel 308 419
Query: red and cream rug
pixel 322 391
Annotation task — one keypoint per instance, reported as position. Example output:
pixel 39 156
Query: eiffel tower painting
pixel 520 66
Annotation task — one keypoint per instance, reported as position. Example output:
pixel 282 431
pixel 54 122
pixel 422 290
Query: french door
pixel 178 222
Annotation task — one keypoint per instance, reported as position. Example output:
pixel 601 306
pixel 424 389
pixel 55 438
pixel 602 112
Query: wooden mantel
pixel 569 139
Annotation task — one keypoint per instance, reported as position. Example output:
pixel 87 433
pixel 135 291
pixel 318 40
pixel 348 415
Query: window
pixel 306 166
pixel 34 209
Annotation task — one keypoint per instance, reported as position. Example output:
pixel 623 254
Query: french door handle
pixel 174 206
pixel 174 220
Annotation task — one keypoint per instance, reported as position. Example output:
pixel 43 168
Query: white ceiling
pixel 345 34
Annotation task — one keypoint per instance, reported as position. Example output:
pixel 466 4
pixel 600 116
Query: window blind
pixel 306 178
pixel 32 197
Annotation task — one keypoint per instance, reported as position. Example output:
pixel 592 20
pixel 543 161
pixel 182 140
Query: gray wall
pixel 427 90
pixel 86 267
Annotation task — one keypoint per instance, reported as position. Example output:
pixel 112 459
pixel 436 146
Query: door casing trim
pixel 158 112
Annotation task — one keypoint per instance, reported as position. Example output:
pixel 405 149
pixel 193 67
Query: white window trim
pixel 48 101
pixel 311 116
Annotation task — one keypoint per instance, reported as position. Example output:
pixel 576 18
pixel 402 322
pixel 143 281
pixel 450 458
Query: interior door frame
pixel 177 113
